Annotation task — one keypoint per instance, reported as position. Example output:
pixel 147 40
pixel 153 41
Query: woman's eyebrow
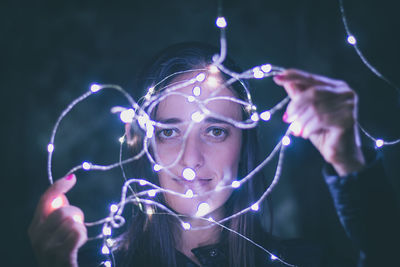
pixel 177 120
pixel 215 120
pixel 170 120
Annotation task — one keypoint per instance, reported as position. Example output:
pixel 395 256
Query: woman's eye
pixel 217 132
pixel 167 133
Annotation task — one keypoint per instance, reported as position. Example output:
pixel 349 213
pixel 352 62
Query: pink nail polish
pixel 285 117
pixel 69 176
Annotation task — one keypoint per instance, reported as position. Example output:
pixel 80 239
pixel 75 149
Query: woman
pixel 218 153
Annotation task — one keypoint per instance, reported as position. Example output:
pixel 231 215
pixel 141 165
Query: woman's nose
pixel 192 156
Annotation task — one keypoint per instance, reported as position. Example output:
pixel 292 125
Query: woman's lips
pixel 197 182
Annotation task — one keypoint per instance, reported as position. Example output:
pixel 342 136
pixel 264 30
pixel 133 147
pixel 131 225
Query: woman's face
pixel 212 147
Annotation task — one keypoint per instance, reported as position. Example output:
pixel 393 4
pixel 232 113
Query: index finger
pixel 295 81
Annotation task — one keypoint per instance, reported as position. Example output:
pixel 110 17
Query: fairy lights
pixel 286 140
pixel 265 116
pixel 221 22
pixel 86 166
pixel 202 209
pixel 113 208
pixel 186 226
pixel 255 206
pixel 351 40
pixel 106 230
pixel 201 77
pixel 57 202
pixel 152 193
pixel 105 250
pixel 157 167
pixel 196 91
pixel 127 115
pixel 50 148
pixel 77 218
pixel 379 143
pixel 95 88
pixel 197 116
pixel 141 115
pixel 189 174
pixel 189 193
pixel 235 184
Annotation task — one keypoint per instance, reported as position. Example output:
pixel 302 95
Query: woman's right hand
pixel 57 230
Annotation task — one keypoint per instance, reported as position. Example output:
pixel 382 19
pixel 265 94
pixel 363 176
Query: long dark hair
pixel 150 239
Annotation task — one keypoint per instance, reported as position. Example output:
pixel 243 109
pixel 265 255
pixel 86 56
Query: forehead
pixel 177 106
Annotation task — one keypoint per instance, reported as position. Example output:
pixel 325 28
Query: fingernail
pixel 69 176
pixel 284 117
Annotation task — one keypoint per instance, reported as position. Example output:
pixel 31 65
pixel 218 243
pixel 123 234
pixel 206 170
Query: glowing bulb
pixel 351 40
pixel 143 182
pixel 189 174
pixel 196 91
pixel 255 117
pixel 255 207
pixel 107 264
pixel 265 116
pixel 286 141
pixel 149 210
pixel 149 130
pixel 105 250
pixel 127 115
pixel 190 98
pixel 110 242
pixel 86 166
pixel 186 226
pixel 106 230
pixel 143 120
pixel 379 142
pixel 57 203
pixel 152 193
pixel 150 90
pixel 95 88
pixel 50 148
pixel 197 116
pixel 257 73
pixel 121 139
pixel 210 219
pixel 295 127
pixel 201 77
pixel 235 184
pixel 213 69
pixel 189 193
pixel 156 168
pixel 273 257
pixel 77 218
pixel 202 209
pixel 266 68
pixel 212 81
pixel 221 22
pixel 113 208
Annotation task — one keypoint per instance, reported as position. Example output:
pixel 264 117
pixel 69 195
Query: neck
pixel 186 240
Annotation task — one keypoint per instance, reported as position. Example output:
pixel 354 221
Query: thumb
pixel 54 197
pixel 63 185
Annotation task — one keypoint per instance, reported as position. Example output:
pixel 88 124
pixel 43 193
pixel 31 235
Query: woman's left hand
pixel 324 111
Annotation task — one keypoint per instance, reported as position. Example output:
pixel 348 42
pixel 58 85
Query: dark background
pixel 51 51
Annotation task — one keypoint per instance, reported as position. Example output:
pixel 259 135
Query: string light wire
pixel 139 115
